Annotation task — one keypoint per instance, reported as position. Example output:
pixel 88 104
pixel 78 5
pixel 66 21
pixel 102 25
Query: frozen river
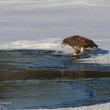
pixel 35 72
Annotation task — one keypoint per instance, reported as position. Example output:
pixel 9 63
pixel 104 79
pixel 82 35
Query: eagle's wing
pixel 87 43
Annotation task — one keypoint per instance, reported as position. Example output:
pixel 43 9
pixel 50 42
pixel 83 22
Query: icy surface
pixel 42 24
pixel 101 56
pixel 94 107
pixel 34 19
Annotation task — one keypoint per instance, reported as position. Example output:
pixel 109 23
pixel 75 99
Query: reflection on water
pixel 49 74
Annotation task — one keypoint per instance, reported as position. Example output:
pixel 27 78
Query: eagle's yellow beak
pixel 62 45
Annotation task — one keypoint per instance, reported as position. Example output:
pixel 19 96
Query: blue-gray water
pixel 50 79
pixel 53 60
pixel 57 93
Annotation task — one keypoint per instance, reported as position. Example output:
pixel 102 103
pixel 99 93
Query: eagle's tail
pixel 96 47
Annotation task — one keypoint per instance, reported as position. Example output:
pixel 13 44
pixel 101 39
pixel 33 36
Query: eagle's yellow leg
pixel 82 49
pixel 77 51
pixel 74 54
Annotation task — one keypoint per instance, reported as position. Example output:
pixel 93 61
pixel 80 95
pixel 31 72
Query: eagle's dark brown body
pixel 79 43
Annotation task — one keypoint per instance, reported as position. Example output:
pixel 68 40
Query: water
pixel 35 72
pixel 50 79
pixel 53 60
pixel 33 94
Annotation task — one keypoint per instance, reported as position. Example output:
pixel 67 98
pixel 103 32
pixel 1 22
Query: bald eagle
pixel 79 43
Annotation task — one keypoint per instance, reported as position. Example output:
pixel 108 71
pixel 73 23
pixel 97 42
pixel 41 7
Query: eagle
pixel 79 43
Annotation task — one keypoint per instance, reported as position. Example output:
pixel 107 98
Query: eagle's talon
pixel 75 54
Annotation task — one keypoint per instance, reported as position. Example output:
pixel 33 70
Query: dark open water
pixel 49 79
